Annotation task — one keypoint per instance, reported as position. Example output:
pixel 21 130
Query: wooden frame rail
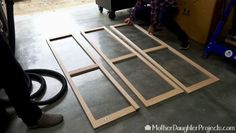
pixel 106 119
pixel 147 102
pixel 163 45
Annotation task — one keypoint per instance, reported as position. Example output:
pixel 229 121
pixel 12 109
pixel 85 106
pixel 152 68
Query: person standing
pixel 12 80
pixel 157 12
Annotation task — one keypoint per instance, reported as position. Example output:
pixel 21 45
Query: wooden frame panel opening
pixel 162 45
pixel 147 102
pixel 106 119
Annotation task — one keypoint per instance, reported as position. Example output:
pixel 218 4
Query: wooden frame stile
pixel 176 90
pixel 163 45
pixel 106 119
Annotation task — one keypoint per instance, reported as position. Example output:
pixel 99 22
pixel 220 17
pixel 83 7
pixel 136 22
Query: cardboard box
pixel 197 18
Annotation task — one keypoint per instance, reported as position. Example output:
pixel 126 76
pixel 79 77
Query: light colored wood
pixel 79 71
pixel 142 59
pixel 114 116
pixel 93 30
pixel 163 97
pixel 123 58
pixel 179 54
pixel 108 75
pixel 106 119
pixel 204 71
pixel 132 55
pixel 120 25
pixel 126 81
pixel 187 89
pixel 154 49
pixel 166 95
pixel 119 73
pixel 74 88
pixel 201 84
pixel 145 55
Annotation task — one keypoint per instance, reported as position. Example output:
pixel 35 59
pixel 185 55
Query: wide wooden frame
pixel 106 119
pixel 163 45
pixel 147 102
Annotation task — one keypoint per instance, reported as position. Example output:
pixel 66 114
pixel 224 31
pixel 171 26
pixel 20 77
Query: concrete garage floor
pixel 31 6
pixel 212 105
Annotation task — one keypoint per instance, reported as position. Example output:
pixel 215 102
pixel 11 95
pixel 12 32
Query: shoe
pixel 185 45
pixel 47 120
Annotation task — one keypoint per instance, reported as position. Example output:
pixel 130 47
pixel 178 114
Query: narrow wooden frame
pixel 189 89
pixel 147 102
pixel 106 119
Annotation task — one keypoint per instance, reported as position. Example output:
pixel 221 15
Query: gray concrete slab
pixel 212 105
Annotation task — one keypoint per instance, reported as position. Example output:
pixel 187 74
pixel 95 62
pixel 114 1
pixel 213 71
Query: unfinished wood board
pixel 188 89
pixel 83 70
pixel 147 102
pixel 106 119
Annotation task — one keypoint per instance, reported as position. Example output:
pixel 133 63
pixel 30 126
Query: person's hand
pixel 128 21
pixel 151 29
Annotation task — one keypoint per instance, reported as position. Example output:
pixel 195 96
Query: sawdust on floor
pixel 31 6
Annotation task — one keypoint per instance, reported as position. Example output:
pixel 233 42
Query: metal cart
pixel 113 5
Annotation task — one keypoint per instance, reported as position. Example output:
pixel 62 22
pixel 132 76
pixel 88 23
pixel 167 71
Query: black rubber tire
pixel 56 75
